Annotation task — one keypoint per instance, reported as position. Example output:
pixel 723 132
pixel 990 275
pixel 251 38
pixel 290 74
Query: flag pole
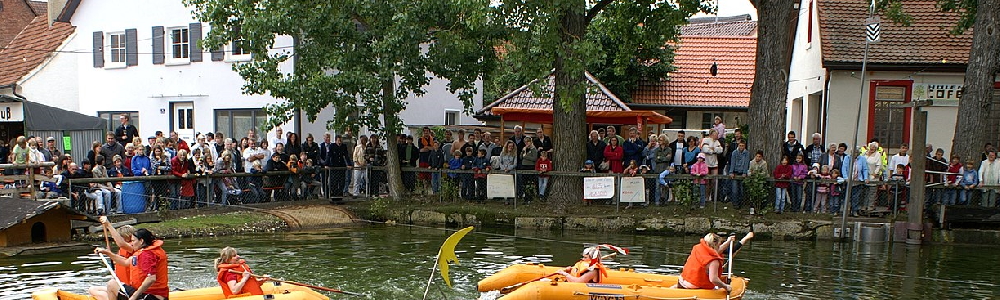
pixel 846 203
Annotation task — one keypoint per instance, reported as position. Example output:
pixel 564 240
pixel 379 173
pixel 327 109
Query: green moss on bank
pixel 210 224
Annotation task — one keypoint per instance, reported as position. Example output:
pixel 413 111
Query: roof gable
pixel 599 98
pixel 32 47
pixel 926 41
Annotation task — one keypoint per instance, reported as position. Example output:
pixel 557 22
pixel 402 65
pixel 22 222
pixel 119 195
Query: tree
pixel 775 33
pixel 364 58
pixel 554 37
pixel 980 74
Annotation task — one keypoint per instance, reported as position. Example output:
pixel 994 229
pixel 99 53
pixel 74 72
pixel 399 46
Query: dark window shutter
pixel 158 53
pixel 195 32
pixel 218 54
pixel 98 49
pixel 131 47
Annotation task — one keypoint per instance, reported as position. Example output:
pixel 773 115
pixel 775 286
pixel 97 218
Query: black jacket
pixel 595 152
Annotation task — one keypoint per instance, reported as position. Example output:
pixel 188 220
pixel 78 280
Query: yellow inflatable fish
pixel 447 253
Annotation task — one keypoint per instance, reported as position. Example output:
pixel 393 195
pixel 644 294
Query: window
pixel 679 118
pixel 235 123
pixel 889 123
pixel 708 119
pixel 116 50
pixel 180 46
pixel 450 117
pixel 112 118
pixel 809 28
pixel 238 49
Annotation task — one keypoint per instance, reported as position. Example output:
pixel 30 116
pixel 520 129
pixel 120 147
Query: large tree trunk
pixel 569 116
pixel 391 119
pixel 977 100
pixel 775 31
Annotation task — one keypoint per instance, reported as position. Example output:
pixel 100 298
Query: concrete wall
pixel 844 96
pixel 57 229
pixel 61 71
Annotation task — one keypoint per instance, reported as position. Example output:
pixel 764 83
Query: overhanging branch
pixel 597 9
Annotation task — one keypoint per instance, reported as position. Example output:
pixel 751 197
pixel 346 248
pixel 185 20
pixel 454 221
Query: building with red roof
pixel 923 61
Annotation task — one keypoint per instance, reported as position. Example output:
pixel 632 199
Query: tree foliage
pixel 346 50
pixel 565 38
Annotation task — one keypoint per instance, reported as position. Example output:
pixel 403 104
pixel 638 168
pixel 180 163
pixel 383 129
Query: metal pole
pixel 857 119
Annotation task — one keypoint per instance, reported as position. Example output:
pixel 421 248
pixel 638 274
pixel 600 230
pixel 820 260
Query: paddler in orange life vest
pixel 234 275
pixel 147 270
pixel 123 238
pixel 703 269
pixel 588 270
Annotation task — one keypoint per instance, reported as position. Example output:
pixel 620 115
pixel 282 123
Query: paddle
pixel 121 287
pixel 730 277
pixel 302 284
pixel 509 289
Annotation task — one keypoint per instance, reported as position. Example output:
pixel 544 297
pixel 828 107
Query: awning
pixel 43 117
pixel 544 116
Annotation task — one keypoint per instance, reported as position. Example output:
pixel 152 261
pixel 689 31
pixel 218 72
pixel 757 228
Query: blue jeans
pixel 701 193
pixel 436 182
pixel 950 195
pixel 543 183
pixel 736 192
pixel 963 196
pixel 102 199
pixel 835 203
pixel 779 199
pixel 856 193
pixel 795 195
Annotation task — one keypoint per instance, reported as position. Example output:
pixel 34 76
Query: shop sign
pixel 11 112
pixel 924 91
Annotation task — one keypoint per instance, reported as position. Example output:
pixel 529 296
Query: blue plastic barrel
pixel 133 197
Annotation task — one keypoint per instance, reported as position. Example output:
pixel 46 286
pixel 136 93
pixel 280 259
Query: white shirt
pixel 247 154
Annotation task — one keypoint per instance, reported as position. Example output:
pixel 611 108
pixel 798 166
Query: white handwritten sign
pixel 633 190
pixel 598 187
pixel 499 186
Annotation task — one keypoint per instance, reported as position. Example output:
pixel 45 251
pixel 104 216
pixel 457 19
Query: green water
pixel 393 262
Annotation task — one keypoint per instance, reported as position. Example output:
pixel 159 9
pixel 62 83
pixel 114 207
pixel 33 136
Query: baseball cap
pixel 588 162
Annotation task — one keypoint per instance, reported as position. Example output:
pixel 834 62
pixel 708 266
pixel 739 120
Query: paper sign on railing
pixel 598 187
pixel 633 190
pixel 499 186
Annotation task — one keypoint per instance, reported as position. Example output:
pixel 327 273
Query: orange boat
pixel 272 290
pixel 620 284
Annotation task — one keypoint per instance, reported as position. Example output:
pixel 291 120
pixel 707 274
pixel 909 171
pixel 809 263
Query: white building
pixel 916 62
pixel 144 62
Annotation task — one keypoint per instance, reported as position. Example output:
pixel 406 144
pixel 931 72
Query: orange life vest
pixel 583 266
pixel 137 276
pixel 252 287
pixel 696 268
pixel 123 271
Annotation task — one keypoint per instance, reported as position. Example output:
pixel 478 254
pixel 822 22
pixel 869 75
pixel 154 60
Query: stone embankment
pixel 781 230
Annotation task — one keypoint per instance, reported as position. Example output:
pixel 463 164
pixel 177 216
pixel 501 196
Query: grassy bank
pixel 212 224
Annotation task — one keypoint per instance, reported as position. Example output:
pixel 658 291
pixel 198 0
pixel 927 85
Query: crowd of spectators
pixel 464 159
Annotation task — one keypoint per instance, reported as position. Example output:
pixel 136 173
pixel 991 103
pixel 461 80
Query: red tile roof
pixel 692 84
pixel 926 41
pixel 36 43
pixel 599 98
pixel 40 8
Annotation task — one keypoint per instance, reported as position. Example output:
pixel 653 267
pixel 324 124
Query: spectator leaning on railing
pixel 989 175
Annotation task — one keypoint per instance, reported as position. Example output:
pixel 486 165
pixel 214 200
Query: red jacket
pixel 543 166
pixel 178 168
pixel 614 157
pixel 782 172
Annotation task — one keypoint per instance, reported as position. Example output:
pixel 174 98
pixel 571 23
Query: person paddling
pixel 147 270
pixel 234 275
pixel 588 270
pixel 703 269
pixel 123 238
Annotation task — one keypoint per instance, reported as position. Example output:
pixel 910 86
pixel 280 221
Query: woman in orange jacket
pixel 235 276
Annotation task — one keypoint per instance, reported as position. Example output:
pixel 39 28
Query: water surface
pixel 394 262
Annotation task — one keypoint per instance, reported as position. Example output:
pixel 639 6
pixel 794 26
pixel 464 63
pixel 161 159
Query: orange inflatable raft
pixel 620 284
pixel 273 290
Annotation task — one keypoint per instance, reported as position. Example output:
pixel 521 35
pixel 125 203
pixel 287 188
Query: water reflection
pixel 394 262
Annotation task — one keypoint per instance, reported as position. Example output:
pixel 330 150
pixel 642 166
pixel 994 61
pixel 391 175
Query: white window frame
pixel 230 57
pixel 109 62
pixel 458 116
pixel 185 40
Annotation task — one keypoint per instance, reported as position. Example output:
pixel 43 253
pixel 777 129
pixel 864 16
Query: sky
pixel 734 7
